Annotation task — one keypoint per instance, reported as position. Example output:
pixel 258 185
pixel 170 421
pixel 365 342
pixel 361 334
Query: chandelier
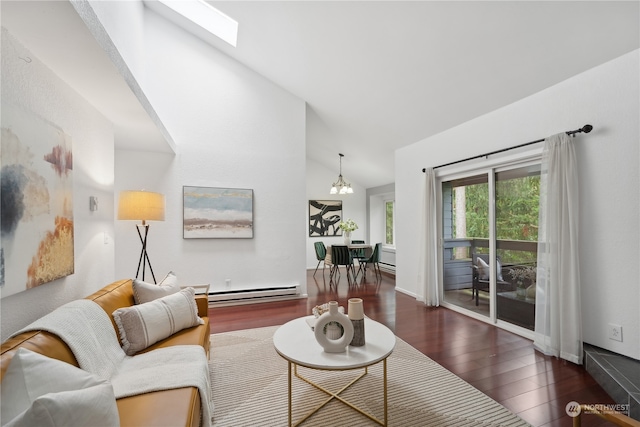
pixel 341 186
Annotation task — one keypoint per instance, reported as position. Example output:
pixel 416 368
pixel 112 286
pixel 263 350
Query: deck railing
pixel 457 264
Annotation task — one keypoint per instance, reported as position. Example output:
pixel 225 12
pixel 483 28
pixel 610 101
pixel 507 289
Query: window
pixel 389 222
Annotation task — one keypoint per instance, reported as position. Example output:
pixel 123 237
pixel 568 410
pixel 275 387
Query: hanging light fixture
pixel 341 186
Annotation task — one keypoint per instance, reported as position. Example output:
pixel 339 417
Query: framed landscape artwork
pixel 324 217
pixel 37 240
pixel 217 213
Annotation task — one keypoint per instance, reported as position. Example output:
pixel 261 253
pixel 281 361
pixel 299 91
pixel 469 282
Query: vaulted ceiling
pixel 376 75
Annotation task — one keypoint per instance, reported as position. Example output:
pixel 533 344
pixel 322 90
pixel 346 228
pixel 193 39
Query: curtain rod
pixel 585 129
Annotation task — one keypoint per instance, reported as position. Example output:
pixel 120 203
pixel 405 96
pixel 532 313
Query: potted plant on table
pixel 347 227
pixel 522 275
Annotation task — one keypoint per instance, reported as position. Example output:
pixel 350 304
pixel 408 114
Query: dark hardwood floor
pixel 499 363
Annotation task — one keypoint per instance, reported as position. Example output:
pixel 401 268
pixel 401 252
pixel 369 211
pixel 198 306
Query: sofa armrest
pixel 202 301
pixel 200 289
pixel 39 341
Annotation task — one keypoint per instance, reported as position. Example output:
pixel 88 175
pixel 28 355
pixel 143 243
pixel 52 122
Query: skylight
pixel 206 17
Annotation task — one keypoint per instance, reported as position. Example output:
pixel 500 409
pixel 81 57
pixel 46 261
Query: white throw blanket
pixel 86 328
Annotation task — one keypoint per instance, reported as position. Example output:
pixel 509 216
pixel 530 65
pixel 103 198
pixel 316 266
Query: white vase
pixel 531 291
pixel 329 325
pixel 347 237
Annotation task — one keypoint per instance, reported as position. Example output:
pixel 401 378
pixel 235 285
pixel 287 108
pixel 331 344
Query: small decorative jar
pixel 521 291
pixel 356 315
pixel 329 326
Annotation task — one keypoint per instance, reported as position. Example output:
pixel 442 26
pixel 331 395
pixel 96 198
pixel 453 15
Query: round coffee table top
pixel 296 342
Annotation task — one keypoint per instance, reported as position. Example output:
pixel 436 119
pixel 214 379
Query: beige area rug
pixel 249 382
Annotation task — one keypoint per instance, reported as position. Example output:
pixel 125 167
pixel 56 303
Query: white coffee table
pixel 296 343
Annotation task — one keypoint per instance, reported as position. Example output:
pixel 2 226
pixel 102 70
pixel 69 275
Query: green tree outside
pixel 517 206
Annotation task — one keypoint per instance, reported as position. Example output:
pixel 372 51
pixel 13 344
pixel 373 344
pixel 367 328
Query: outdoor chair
pixel 480 277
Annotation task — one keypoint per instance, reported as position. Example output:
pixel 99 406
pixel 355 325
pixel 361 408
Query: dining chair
pixel 321 253
pixel 374 260
pixel 358 254
pixel 341 255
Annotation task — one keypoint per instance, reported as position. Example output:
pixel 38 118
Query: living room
pixel 221 124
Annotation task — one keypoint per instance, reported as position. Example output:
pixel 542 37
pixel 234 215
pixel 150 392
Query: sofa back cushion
pixel 110 298
pixel 40 342
pixel 114 296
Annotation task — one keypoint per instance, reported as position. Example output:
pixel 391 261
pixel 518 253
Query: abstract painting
pixel 36 179
pixel 324 217
pixel 217 213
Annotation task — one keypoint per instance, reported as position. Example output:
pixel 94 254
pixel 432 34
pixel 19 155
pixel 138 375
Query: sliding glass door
pixel 465 213
pixel 490 232
pixel 517 198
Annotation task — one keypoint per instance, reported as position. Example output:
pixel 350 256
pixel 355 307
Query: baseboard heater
pixel 389 268
pixel 246 296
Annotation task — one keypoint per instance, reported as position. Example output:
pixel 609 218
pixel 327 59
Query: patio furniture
pixel 480 281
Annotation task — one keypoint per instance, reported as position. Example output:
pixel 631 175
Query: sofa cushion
pixel 175 407
pixel 146 292
pixel 145 324
pixel 39 390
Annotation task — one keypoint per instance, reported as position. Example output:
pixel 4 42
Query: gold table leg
pixel 336 396
pixel 289 375
pixel 384 364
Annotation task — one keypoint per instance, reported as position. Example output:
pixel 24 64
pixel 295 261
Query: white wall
pixel 34 87
pixel 377 218
pixel 606 97
pixel 124 21
pixel 232 128
pixel 376 200
pixel 319 180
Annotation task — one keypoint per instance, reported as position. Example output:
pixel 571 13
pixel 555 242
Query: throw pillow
pixel 145 324
pixel 499 272
pixel 41 391
pixel 483 269
pixel 145 292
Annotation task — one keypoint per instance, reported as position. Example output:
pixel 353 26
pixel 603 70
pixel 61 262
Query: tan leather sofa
pixel 178 407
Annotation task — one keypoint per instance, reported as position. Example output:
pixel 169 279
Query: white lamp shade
pixel 141 205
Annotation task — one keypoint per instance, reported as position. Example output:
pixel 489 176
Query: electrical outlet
pixel 615 332
pixel 227 282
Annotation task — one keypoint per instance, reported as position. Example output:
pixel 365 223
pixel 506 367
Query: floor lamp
pixel 142 206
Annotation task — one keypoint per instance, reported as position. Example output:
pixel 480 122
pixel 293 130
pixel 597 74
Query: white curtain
pixel 428 261
pixel 558 326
